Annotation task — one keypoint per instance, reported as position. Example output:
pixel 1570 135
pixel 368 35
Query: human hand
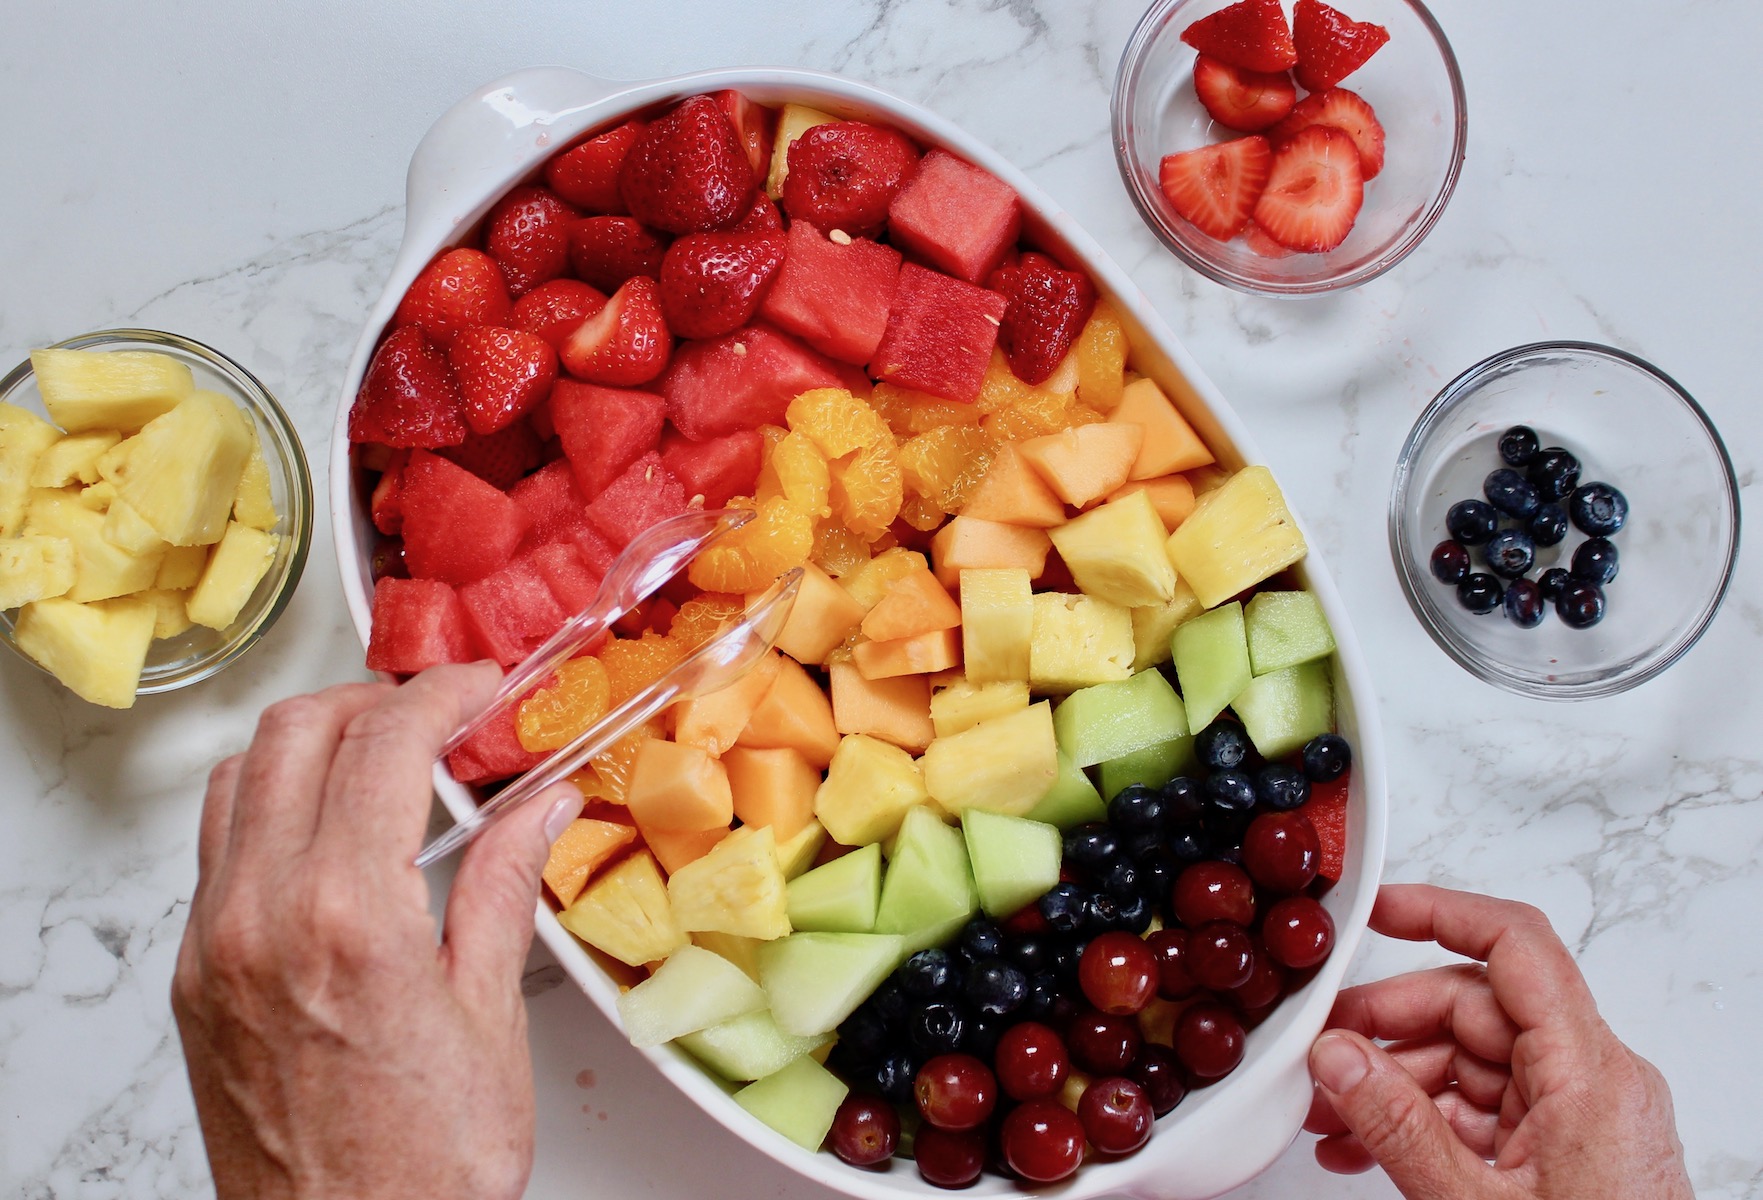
pixel 1507 1062
pixel 336 1046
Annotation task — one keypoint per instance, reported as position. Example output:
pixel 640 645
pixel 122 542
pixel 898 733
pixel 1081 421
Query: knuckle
pixel 385 724
pixel 1393 1126
pixel 294 713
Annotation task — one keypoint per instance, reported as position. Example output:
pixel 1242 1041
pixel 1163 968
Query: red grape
pixel 1298 931
pixel 1102 1042
pixel 1169 947
pixel 1118 973
pixel 1220 955
pixel 1213 891
pixel 1209 1040
pixel 1265 985
pixel 1158 1071
pixel 949 1159
pixel 866 1131
pixel 1031 1061
pixel 1042 1140
pixel 1281 851
pixel 1116 1115
pixel 955 1091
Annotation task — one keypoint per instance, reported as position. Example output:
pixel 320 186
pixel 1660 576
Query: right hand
pixel 1500 1081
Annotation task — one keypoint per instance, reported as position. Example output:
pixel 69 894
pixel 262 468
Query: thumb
pixel 1395 1120
pixel 489 921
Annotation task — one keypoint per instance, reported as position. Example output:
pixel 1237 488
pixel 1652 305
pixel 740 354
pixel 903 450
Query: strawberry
pixel 1256 239
pixel 1313 192
pixel 1246 101
pixel 1216 187
pixel 625 343
pixel 1331 45
pixel 409 397
pixel 386 506
pixel 763 217
pixel 688 171
pixel 754 124
pixel 502 373
pixel 500 459
pixel 1345 111
pixel 459 289
pixel 1251 34
pixel 712 283
pixel 527 233
pixel 606 251
pixel 843 175
pixel 1046 307
pixel 586 175
pixel 553 310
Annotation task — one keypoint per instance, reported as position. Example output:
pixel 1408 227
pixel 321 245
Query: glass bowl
pixel 200 652
pixel 1413 84
pixel 1632 427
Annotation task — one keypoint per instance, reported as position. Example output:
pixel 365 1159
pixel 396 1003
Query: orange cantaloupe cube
pixel 772 787
pixel 1084 464
pixel 795 715
pixel 1014 493
pixel 972 543
pixel 580 851
pixel 677 788
pixel 1172 497
pixel 1170 442
pixel 895 710
pixel 915 604
pixel 673 849
pixel 922 655
pixel 713 722
pixel 822 617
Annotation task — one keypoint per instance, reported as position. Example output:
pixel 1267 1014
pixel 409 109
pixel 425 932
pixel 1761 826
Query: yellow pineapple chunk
pixel 98 496
pixel 24 437
pixel 102 570
pixel 243 557
pixel 170 612
pixel 1240 533
pixel 869 787
pixel 997 623
pixel 793 120
pixel 127 530
pixel 798 853
pixel 736 888
pixel 97 650
pixel 626 913
pixel 1154 624
pixel 1078 641
pixel 963 704
pixel 1115 552
pixel 181 567
pixel 252 503
pixel 35 567
pixel 73 459
pixel 182 470
pixel 114 389
pixel 1004 765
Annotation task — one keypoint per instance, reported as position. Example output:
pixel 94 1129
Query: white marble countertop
pixel 235 173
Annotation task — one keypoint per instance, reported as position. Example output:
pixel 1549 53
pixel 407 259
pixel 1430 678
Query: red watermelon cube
pixel 551 499
pixel 643 495
pixel 493 752
pixel 1327 810
pixel 716 469
pixel 955 216
pixel 417 623
pixel 604 429
pixel 597 552
pixel 457 528
pixel 566 572
pixel 512 611
pixel 745 379
pixel 834 296
pixel 940 334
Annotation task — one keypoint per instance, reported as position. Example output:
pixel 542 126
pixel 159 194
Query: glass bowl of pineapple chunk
pixel 155 512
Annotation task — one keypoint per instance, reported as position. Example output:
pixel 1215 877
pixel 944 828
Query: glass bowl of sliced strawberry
pixel 1289 150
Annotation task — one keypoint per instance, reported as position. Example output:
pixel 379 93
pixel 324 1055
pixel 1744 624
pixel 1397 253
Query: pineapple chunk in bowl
pixel 90 644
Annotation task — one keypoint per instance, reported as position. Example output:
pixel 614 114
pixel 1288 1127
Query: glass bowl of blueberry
pixel 1564 520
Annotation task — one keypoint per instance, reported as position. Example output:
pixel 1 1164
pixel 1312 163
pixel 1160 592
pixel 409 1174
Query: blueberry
pixel 1524 604
pixel 1449 562
pixel 1222 746
pixel 1580 604
pixel 1137 808
pixel 895 1078
pixel 1511 493
pixel 1280 787
pixel 1225 848
pixel 929 975
pixel 1188 846
pixel 1035 953
pixel 981 938
pixel 1157 875
pixel 995 987
pixel 1595 561
pixel 1091 845
pixel 1510 553
pixel 1063 907
pixel 1480 593
pixel 936 1028
pixel 864 1034
pixel 1121 879
pixel 1135 914
pixel 1230 791
pixel 1550 582
pixel 1182 800
pixel 1598 509
pixel 1518 445
pixel 1554 471
pixel 1048 1000
pixel 1103 914
pixel 1326 757
pixel 1549 524
pixel 890 1002
pixel 1472 522
pixel 982 1037
pixel 1066 954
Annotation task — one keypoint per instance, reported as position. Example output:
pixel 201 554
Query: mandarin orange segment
pixel 555 714
pixel 612 770
pixel 1000 388
pixel 866 485
pixel 870 583
pixel 867 492
pixel 837 550
pixel 909 413
pixel 632 664
pixel 781 536
pixel 700 617
pixel 796 470
pixel 944 465
pixel 1101 358
pixel 1038 415
pixel 838 422
pixel 922 513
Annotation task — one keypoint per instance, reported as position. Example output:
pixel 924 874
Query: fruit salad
pixel 1042 768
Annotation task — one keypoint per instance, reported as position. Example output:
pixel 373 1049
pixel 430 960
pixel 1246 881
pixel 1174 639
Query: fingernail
pixel 563 810
pixel 1338 1063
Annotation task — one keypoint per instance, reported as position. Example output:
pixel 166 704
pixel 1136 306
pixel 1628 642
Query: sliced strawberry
pixel 553 310
pixel 754 124
pixel 1046 307
pixel 625 343
pixel 1256 239
pixel 1331 45
pixel 501 458
pixel 1251 34
pixel 1246 101
pixel 1313 191
pixel 763 217
pixel 1345 111
pixel 502 374
pixel 1216 187
pixel 586 175
pixel 409 397
pixel 843 175
pixel 606 251
pixel 713 283
pixel 688 171
pixel 459 289
pixel 527 233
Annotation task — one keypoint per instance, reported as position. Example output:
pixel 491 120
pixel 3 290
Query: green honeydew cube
pixel 1212 662
pixel 1014 860
pixel 1285 629
pixel 1284 709
pixel 816 980
pixel 798 1101
pixel 1153 766
pixel 928 892
pixel 692 990
pixel 1071 800
pixel 839 897
pixel 749 1047
pixel 1112 720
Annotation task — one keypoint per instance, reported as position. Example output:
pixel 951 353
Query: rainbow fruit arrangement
pixel 886 848
pixel 1296 182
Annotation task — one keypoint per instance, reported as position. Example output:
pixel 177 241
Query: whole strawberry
pixel 553 310
pixel 527 233
pixel 502 374
pixel 1045 311
pixel 460 289
pixel 625 343
pixel 606 251
pixel 586 175
pixel 713 283
pixel 409 397
pixel 688 171
pixel 843 175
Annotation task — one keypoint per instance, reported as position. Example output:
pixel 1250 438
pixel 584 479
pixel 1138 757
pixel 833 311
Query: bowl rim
pixel 1150 26
pixel 299 518
pixel 1413 577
